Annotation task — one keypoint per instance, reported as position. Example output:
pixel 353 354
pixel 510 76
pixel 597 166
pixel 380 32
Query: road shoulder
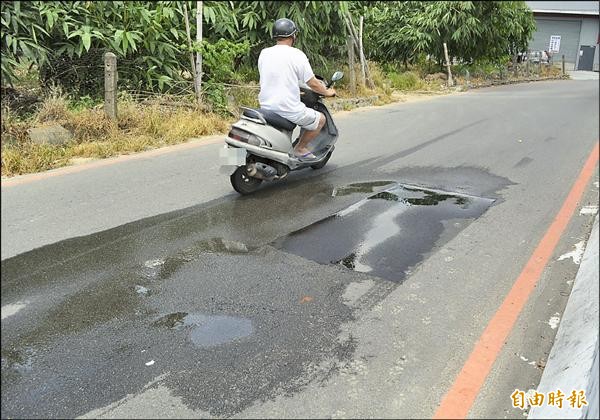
pixel 573 361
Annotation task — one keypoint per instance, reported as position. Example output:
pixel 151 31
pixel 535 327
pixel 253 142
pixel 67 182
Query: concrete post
pixel 110 85
pixel 563 64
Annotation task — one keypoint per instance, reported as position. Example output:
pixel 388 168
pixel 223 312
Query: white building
pixel 572 28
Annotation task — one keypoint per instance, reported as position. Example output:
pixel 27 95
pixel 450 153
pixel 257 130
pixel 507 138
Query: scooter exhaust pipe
pixel 262 171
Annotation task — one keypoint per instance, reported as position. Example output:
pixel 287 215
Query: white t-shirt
pixel 282 69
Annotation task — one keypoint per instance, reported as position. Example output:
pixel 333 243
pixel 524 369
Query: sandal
pixel 306 156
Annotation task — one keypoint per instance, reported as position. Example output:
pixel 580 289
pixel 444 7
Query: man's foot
pixel 304 156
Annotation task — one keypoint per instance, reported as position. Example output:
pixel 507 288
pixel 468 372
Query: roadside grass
pixel 481 75
pixel 406 81
pixel 139 127
pixel 30 157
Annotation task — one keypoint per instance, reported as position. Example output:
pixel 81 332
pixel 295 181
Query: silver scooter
pixel 260 144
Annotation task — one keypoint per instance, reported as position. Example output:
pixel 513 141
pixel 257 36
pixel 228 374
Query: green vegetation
pixel 405 81
pixel 66 39
pixel 408 31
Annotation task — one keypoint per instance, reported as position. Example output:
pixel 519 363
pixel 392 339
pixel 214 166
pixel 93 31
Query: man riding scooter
pixel 260 144
pixel 282 67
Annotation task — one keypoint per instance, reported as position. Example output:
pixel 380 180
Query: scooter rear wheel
pixel 242 182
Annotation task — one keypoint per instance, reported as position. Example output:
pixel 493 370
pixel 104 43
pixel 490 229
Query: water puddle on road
pixel 17 361
pixel 360 187
pixel 164 268
pixel 207 330
pixel 388 232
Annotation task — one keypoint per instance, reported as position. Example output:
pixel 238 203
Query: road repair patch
pixel 388 232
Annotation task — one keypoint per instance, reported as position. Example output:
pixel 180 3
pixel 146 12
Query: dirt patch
pixel 80 160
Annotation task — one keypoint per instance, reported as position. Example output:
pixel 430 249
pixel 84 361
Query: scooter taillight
pixel 238 134
pixel 244 136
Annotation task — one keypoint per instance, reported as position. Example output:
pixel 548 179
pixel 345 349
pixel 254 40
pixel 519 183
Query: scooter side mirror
pixel 336 76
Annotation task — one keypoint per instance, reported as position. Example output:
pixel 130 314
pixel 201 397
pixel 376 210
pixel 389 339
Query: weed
pixel 30 157
pixel 377 74
pixel 91 125
pixel 244 96
pixel 53 108
pixel 14 130
pixel 84 102
pixel 186 124
pixel 405 81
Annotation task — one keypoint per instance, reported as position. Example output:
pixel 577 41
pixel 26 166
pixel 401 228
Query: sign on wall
pixel 554 44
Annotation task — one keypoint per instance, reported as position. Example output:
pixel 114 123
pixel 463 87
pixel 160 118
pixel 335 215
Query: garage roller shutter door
pixel 569 37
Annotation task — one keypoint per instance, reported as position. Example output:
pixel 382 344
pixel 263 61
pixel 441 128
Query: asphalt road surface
pixel 145 287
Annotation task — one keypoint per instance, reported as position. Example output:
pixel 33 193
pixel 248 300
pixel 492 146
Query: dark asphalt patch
pixel 386 233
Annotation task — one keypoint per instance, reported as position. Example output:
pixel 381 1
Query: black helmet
pixel 284 28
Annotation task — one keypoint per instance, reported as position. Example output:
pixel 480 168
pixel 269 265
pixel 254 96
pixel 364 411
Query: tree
pixel 321 24
pixel 400 31
pixel 389 32
pixel 66 39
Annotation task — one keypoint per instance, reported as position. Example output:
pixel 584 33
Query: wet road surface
pixel 157 290
pixel 295 301
pixel 371 236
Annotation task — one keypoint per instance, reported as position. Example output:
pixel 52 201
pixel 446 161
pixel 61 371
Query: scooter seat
pixel 273 119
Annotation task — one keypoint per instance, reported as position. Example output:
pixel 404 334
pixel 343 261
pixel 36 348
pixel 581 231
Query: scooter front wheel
pixel 242 182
